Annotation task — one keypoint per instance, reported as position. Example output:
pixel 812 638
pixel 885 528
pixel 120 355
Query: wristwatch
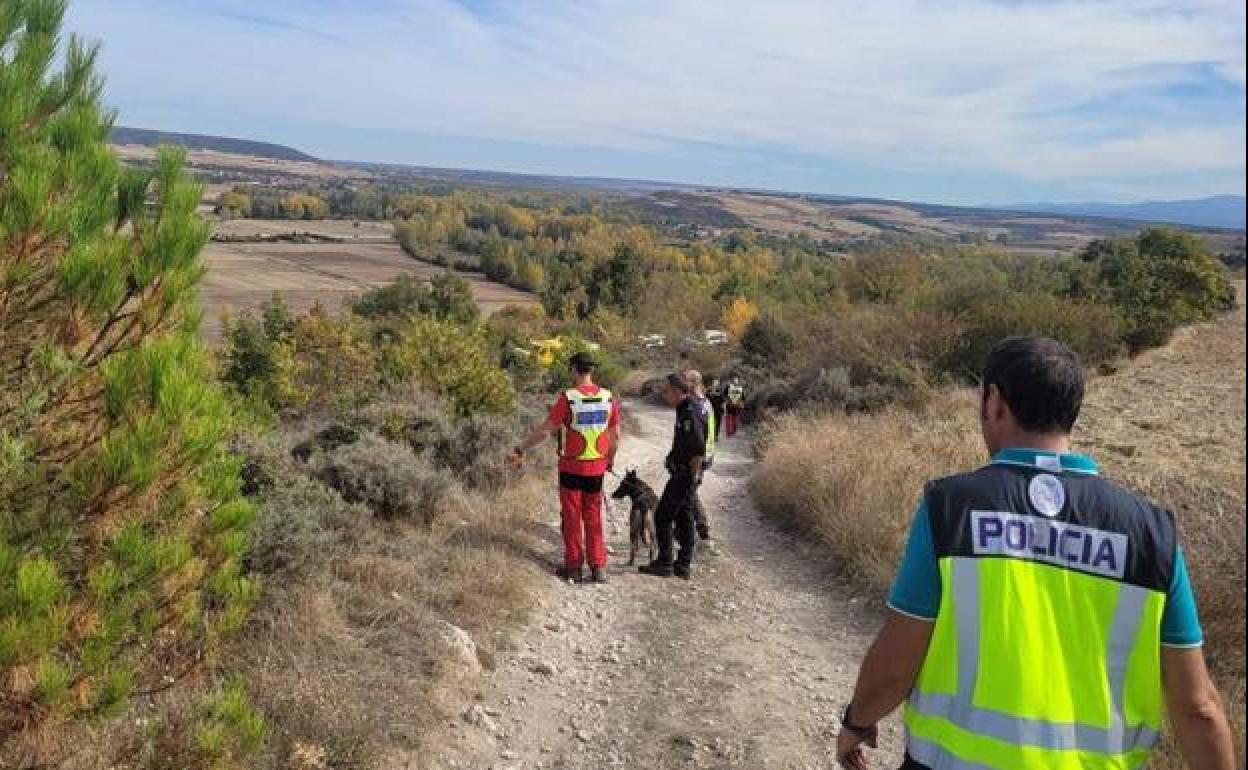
pixel 863 733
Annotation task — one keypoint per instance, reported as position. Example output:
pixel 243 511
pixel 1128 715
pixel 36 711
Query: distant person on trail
pixel 675 510
pixel 734 396
pixel 719 399
pixel 587 419
pixel 1041 614
pixel 694 378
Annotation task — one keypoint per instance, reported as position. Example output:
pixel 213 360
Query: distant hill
pixel 1214 211
pixel 149 138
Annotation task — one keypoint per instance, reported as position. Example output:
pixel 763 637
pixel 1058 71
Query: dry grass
pixel 347 656
pixel 1170 426
pixel 854 482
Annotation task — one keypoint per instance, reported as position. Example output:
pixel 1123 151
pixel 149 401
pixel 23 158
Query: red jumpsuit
pixel 581 483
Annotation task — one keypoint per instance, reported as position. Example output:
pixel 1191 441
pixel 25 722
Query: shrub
pixel 122 533
pixel 473 449
pixel 559 374
pixel 766 342
pixel 336 361
pixel 388 478
pixel 456 364
pixel 399 298
pixel 888 350
pixel 832 388
pixel 300 522
pixel 1091 330
pixel 1159 280
pixel 446 297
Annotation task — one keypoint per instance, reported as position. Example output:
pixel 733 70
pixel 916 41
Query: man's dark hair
pixel 677 381
pixel 1040 379
pixel 582 363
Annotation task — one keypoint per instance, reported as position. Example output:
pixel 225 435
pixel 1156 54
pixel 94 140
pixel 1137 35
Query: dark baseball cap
pixel 582 362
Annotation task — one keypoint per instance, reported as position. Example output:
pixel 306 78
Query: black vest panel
pixel 1087 534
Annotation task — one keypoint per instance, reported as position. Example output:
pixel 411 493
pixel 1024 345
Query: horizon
pixel 1009 102
pixel 676 183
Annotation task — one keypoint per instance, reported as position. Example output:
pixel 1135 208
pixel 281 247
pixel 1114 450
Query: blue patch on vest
pixel 1054 542
pixel 595 417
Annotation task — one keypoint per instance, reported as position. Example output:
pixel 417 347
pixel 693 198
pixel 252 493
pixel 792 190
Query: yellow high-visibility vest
pixel 1046 652
pixel 591 416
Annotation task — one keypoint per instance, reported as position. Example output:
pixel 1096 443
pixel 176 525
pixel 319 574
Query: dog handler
pixel 676 506
pixel 1042 615
pixel 588 420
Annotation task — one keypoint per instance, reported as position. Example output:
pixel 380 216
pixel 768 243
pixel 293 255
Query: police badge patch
pixel 1047 494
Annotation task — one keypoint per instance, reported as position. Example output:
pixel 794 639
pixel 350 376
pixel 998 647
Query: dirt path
pixel 746 666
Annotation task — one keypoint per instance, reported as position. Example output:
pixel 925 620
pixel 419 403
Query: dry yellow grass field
pixel 1169 424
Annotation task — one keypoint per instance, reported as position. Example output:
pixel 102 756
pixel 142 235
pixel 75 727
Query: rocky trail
pixel 748 665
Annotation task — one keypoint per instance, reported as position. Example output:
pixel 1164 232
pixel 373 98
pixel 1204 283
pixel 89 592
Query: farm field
pixel 243 276
pixel 251 164
pixel 325 228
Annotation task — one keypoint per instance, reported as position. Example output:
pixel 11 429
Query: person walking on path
pixel 587 417
pixel 674 515
pixel 734 395
pixel 700 395
pixel 719 400
pixel 1041 615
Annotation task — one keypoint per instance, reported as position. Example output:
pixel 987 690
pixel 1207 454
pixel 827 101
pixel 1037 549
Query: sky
pixel 956 101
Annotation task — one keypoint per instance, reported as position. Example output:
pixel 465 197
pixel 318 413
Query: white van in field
pixel 707 338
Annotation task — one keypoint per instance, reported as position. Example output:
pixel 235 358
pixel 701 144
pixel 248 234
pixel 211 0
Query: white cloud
pixel 1023 88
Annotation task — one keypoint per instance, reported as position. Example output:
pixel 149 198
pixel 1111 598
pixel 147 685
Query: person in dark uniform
pixel 701 397
pixel 719 402
pixel 675 513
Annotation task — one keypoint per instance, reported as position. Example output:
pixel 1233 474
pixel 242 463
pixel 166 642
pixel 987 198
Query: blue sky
pixel 961 101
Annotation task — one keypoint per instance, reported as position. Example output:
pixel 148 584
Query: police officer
pixel 587 419
pixel 684 464
pixel 1042 614
pixel 719 400
pixel 699 395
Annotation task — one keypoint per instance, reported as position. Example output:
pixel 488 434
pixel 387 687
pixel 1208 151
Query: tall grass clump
pixel 853 482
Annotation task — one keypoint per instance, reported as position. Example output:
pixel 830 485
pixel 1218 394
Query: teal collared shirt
pixel 916 590
pixel 1054 462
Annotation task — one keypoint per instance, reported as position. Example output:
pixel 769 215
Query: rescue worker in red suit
pixel 587 418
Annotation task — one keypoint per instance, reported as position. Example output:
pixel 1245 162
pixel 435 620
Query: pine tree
pixel 121 526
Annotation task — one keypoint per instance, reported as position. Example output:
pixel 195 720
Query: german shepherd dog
pixel 641 516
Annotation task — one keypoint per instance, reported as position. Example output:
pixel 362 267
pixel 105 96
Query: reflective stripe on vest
pixel 591 415
pixel 1012 680
pixel 708 412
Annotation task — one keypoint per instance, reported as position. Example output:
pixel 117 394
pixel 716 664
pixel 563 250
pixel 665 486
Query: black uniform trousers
pixel 674 521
